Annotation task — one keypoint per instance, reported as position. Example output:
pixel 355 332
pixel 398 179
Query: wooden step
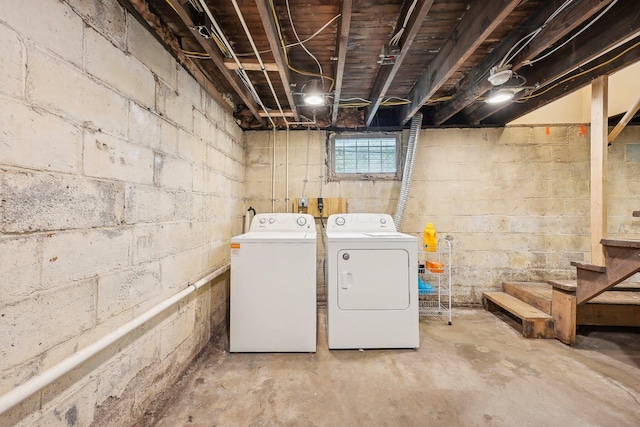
pixel 589 266
pixel 536 294
pixel 564 285
pixel 621 243
pixel 535 323
pixel 627 286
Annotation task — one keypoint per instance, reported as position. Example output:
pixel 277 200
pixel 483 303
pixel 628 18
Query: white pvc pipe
pixel 286 174
pixel 23 391
pixel 273 173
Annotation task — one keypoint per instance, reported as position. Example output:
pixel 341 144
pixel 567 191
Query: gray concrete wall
pixel 515 200
pixel 121 181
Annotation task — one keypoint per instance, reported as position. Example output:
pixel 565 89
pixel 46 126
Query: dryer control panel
pixel 283 222
pixel 360 222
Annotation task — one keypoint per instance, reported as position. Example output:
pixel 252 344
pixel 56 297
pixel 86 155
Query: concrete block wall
pixel 515 200
pixel 121 181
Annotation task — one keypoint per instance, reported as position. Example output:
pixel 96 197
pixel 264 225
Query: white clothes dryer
pixel 371 276
pixel 273 285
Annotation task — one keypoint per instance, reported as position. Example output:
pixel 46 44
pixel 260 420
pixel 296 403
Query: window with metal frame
pixel 364 156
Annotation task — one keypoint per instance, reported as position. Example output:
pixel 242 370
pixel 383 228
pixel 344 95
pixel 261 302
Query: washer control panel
pixel 283 222
pixel 360 222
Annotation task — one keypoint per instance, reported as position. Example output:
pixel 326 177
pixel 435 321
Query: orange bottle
pixel 430 238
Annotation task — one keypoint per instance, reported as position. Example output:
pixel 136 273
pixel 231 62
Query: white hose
pixel 416 122
pixel 23 391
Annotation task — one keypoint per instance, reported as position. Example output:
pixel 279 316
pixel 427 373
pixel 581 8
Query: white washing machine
pixel 371 276
pixel 273 285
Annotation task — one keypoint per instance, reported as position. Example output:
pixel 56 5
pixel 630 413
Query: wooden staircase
pixel 599 296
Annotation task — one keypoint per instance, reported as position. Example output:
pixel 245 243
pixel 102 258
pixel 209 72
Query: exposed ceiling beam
pixel 250 65
pixel 620 24
pixel 210 47
pixel 341 49
pixel 476 84
pixel 476 25
pixel 615 60
pixel 387 73
pixel 271 29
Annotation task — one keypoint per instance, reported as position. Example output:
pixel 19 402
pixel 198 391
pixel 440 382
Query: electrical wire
pixel 396 38
pixel 400 101
pixel 284 48
pixel 295 33
pixel 227 51
pixel 534 95
pixel 575 35
pixel 311 37
pixel 529 37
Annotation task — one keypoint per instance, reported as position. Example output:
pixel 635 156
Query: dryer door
pixel 373 279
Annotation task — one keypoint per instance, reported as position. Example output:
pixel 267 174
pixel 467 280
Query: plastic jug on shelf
pixel 430 238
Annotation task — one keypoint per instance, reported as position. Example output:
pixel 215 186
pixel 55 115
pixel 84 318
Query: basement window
pixel 364 156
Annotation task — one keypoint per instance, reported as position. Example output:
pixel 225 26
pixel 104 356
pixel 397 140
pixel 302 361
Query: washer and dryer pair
pixel 371 279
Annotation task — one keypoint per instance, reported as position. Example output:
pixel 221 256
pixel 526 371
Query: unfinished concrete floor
pixel 478 372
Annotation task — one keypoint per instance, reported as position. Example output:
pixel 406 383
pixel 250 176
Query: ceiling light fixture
pixel 500 75
pixel 312 93
pixel 501 95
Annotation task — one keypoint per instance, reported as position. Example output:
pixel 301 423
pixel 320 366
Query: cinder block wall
pixel 515 200
pixel 121 181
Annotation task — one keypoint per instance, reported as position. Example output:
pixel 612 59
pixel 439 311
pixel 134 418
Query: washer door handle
pixel 346 280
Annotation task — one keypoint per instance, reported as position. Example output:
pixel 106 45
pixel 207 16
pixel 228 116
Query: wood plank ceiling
pixel 260 56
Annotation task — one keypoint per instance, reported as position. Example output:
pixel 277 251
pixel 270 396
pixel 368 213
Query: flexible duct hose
pixel 416 122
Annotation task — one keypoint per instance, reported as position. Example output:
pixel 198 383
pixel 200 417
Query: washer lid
pixel 275 237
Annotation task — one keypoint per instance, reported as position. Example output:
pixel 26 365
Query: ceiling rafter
pixel 387 73
pixel 209 46
pixel 476 84
pixel 476 25
pixel 615 60
pixel 343 38
pixel 273 36
pixel 617 26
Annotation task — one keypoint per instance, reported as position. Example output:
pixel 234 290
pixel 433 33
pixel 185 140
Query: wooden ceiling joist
pixel 476 83
pixel 214 53
pixel 617 26
pixel 387 73
pixel 271 29
pixel 476 25
pixel 343 38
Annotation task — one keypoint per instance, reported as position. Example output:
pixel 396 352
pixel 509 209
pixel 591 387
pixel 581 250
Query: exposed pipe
pixel 273 173
pixel 241 69
pixel 286 178
pixel 257 53
pixel 407 174
pixel 23 391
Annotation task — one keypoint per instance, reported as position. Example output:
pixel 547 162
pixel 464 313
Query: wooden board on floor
pixel 535 323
